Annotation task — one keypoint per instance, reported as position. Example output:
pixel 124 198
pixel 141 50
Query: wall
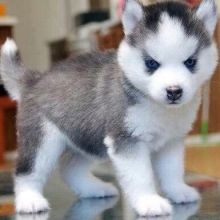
pixel 218 4
pixel 79 6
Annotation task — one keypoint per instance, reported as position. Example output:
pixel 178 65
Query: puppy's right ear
pixel 133 12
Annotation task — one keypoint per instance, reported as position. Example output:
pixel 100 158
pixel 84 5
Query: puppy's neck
pixel 133 94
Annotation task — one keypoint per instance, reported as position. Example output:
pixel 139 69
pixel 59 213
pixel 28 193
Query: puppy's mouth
pixel 174 103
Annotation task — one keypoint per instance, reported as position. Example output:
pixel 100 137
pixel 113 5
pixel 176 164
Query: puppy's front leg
pixel 135 175
pixel 169 166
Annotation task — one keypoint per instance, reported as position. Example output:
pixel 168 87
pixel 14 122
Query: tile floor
pixel 66 207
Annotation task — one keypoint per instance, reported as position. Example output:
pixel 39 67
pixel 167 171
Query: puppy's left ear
pixel 207 12
pixel 133 12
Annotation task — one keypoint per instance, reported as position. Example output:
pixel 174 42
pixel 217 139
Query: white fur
pixel 9 47
pixel 166 45
pixel 28 189
pixel 76 172
pixel 158 128
pixel 137 180
pixel 161 131
pixel 171 54
pixel 131 16
pixel 153 205
pixel 207 12
pixel 30 201
pixel 131 62
pixel 157 125
pixel 109 143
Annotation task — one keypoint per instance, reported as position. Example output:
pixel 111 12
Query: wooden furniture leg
pixel 5 104
pixel 2 136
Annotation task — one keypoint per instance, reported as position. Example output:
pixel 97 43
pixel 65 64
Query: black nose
pixel 174 93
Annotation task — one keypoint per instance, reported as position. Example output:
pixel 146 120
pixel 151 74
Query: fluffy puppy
pixel 133 106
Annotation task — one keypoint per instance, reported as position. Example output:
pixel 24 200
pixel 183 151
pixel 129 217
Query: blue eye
pixel 152 65
pixel 190 63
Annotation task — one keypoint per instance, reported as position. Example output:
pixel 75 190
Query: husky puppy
pixel 133 106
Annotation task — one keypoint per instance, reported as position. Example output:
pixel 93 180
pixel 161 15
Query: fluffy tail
pixel 12 69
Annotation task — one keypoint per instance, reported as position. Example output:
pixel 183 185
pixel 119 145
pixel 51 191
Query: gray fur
pixel 85 97
pixel 86 100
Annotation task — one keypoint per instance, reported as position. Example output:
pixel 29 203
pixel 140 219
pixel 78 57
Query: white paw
pixel 30 202
pixel 98 189
pixel 153 206
pixel 42 216
pixel 183 194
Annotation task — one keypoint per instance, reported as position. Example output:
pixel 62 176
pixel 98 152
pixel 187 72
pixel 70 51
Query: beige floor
pixel 204 160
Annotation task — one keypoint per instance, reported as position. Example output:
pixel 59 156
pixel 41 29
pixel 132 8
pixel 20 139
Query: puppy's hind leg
pixel 40 146
pixel 76 172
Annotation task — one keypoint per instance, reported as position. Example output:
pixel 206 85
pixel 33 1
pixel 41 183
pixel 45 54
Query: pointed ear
pixel 207 12
pixel 133 12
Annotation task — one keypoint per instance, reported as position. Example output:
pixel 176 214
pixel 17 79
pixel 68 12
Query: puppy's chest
pixel 157 127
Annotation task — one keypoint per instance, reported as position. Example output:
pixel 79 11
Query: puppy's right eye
pixel 152 65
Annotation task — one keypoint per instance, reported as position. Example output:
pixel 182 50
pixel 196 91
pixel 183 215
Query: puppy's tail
pixel 11 69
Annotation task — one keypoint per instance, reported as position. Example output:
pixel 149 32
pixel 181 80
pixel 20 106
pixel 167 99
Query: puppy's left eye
pixel 190 63
pixel 152 65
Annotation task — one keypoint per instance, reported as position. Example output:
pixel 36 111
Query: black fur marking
pixel 24 166
pixel 125 143
pixel 29 137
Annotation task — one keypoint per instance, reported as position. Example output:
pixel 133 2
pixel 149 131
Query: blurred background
pixel 48 31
